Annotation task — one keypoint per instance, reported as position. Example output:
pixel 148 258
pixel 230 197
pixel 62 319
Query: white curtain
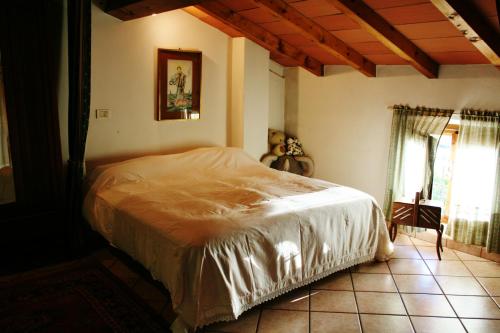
pixel 473 183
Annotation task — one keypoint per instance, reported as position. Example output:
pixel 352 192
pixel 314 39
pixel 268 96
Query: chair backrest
pixel 416 208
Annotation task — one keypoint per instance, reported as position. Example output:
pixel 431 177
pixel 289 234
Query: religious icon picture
pixel 179 84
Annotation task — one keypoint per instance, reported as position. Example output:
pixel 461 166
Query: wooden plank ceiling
pixel 363 34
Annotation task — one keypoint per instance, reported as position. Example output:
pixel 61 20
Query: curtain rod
pixel 477 112
pixel 391 107
pixel 491 113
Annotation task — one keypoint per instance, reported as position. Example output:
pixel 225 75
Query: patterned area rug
pixel 75 297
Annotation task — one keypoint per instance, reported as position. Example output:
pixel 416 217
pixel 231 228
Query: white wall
pixel 249 96
pixel 124 80
pixel 236 93
pixel 256 99
pixel 343 120
pixel 276 96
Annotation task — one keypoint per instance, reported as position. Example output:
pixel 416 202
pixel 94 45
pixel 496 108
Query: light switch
pixel 102 113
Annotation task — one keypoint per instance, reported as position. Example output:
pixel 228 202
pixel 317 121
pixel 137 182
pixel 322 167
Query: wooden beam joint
pixel 376 25
pixel 322 37
pixel 260 35
pixel 468 20
pixel 126 10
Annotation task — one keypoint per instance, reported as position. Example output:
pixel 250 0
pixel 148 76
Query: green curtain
pixel 4 131
pixel 7 190
pixel 432 145
pixel 79 47
pixel 493 239
pixel 474 197
pixel 412 133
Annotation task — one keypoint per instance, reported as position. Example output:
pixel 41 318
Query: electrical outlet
pixel 102 113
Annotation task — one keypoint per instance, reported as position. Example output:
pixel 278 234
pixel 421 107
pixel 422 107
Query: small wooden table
pixel 417 213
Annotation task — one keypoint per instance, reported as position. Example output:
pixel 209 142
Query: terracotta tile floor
pixel 413 292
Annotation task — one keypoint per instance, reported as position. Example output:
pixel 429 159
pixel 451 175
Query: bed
pixel 225 233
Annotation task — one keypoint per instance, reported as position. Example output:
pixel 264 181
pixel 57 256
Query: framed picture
pixel 179 84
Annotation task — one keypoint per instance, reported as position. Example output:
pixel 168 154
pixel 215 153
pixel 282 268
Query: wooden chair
pixel 419 213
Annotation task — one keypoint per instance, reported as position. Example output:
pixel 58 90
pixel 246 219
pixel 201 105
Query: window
pixel 443 168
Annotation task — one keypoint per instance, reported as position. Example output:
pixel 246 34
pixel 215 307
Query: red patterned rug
pixel 80 296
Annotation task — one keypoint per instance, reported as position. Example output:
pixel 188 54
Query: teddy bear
pixel 276 142
pixel 294 147
pixel 286 154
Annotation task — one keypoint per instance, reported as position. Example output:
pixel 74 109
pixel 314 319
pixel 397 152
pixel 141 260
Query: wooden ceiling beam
pixel 126 10
pixel 376 25
pixel 261 36
pixel 467 18
pixel 319 35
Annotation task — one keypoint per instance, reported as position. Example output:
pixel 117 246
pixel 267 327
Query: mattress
pixel 224 233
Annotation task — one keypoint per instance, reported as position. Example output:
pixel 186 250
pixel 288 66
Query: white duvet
pixel 224 233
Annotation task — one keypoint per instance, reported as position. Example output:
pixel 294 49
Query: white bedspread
pixel 224 233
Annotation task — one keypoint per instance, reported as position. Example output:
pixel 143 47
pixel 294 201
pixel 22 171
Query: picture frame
pixel 179 84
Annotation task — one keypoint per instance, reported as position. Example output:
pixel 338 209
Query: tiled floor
pixel 413 292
